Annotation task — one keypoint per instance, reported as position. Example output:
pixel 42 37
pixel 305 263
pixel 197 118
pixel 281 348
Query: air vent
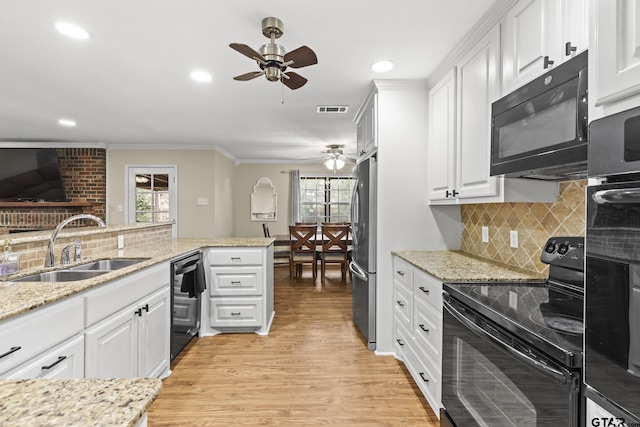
pixel 331 109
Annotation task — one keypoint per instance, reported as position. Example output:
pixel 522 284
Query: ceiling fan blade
pixel 248 76
pixel 247 51
pixel 301 57
pixel 293 80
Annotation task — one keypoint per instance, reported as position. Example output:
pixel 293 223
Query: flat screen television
pixel 30 174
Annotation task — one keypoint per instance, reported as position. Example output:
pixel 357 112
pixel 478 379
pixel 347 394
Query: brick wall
pixel 84 175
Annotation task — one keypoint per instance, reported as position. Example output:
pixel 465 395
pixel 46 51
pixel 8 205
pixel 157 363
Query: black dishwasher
pixel 188 281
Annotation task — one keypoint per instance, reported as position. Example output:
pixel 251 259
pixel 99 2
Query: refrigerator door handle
pixel 353 267
pixel 355 213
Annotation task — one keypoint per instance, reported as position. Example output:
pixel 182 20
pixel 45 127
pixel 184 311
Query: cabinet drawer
pixel 31 333
pixel 235 312
pixel 234 256
pixel 427 330
pixel 402 271
pixel 428 288
pixel 236 281
pixel 65 361
pixel 426 377
pixel 401 339
pixel 403 304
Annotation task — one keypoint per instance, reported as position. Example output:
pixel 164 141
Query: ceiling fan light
pixel 200 76
pixel 334 164
pixel 382 66
pixel 272 73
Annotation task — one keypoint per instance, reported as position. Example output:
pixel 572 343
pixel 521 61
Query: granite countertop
pixel 458 266
pixel 80 402
pixel 20 297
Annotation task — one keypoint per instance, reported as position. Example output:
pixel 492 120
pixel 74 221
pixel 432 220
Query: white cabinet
pixel 64 361
pixel 240 291
pixel 418 327
pixel 35 336
pixel 614 62
pixel 460 134
pixel 366 124
pixel 128 326
pixel 540 34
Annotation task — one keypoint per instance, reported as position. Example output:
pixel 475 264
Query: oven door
pixel 612 293
pixel 490 378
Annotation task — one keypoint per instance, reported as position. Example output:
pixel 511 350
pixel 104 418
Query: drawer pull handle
pixel 400 303
pixel 400 342
pixel 235 314
pixel 426 291
pixel 236 259
pixel 146 307
pixel 138 312
pixel 423 328
pixel 400 273
pixel 426 380
pixel 236 282
pixel 13 350
pixel 60 359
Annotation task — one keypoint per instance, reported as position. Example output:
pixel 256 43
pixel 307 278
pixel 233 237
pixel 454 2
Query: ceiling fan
pixel 274 60
pixel 336 158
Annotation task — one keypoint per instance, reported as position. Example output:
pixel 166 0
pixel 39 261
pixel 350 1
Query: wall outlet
pixel 485 234
pixel 513 238
pixel 202 201
pixel 120 241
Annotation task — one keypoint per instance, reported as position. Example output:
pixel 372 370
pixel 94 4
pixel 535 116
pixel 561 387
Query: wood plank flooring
pixel 312 369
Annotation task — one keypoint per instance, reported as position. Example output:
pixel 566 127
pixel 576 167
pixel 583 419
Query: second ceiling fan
pixel 274 60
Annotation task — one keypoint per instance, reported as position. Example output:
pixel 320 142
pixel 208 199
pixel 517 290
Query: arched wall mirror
pixel 264 201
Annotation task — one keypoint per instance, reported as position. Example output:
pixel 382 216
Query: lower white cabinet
pixel 418 328
pixel 240 292
pixel 133 342
pixel 64 361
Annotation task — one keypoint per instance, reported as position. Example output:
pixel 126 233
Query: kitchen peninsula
pixel 121 401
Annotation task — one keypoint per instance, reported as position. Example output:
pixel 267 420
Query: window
pixel 325 199
pixel 152 194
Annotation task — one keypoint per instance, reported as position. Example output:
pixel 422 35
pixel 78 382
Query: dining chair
pixel 265 229
pixel 281 255
pixel 303 249
pixel 335 248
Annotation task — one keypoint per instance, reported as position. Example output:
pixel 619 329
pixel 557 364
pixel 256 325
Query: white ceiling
pixel 129 83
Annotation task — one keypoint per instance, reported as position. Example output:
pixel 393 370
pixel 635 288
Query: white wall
pixel 405 220
pixel 201 174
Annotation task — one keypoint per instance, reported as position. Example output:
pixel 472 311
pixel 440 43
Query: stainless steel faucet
pixel 50 258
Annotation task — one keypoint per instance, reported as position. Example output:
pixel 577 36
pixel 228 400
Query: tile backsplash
pixel 534 222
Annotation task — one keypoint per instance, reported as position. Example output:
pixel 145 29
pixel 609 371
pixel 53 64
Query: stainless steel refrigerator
pixel 363 264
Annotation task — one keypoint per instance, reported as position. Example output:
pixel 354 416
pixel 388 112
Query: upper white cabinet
pixel 460 133
pixel 614 63
pixel 442 152
pixel 367 126
pixel 540 34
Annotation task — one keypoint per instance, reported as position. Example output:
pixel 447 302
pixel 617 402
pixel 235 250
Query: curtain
pixel 294 199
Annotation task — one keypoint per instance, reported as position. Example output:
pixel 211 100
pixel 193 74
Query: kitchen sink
pixel 107 264
pixel 60 276
pixel 81 272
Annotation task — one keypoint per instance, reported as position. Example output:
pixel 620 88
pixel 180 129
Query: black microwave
pixel 540 130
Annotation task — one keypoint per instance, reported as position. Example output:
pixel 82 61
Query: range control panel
pixel 565 252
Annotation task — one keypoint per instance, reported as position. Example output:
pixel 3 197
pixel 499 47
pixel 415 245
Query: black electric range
pixel 546 315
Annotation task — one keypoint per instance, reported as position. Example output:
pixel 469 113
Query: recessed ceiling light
pixel 72 30
pixel 382 66
pixel 201 76
pixel 66 122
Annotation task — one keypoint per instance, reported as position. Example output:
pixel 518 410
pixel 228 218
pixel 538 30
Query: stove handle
pixel 618 195
pixel 558 375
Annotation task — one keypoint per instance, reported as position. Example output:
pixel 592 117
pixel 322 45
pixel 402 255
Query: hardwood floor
pixel 312 369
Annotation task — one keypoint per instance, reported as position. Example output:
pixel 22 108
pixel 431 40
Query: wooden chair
pixel 303 249
pixel 335 239
pixel 281 254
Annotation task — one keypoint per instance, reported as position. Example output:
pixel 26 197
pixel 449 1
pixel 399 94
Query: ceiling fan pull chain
pixel 282 91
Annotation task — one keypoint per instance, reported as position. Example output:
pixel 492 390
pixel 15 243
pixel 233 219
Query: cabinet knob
pixel 138 312
pixel 452 193
pixel 568 49
pixel 547 62
pixel 146 308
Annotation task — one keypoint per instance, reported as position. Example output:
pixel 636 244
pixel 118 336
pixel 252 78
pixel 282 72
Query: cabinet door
pixel 111 350
pixel 530 34
pixel 153 335
pixel 442 111
pixel 65 361
pixel 477 88
pixel 617 50
pixel 575 26
pixel 371 135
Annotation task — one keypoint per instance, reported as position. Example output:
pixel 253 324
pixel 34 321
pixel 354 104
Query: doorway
pixel 152 195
